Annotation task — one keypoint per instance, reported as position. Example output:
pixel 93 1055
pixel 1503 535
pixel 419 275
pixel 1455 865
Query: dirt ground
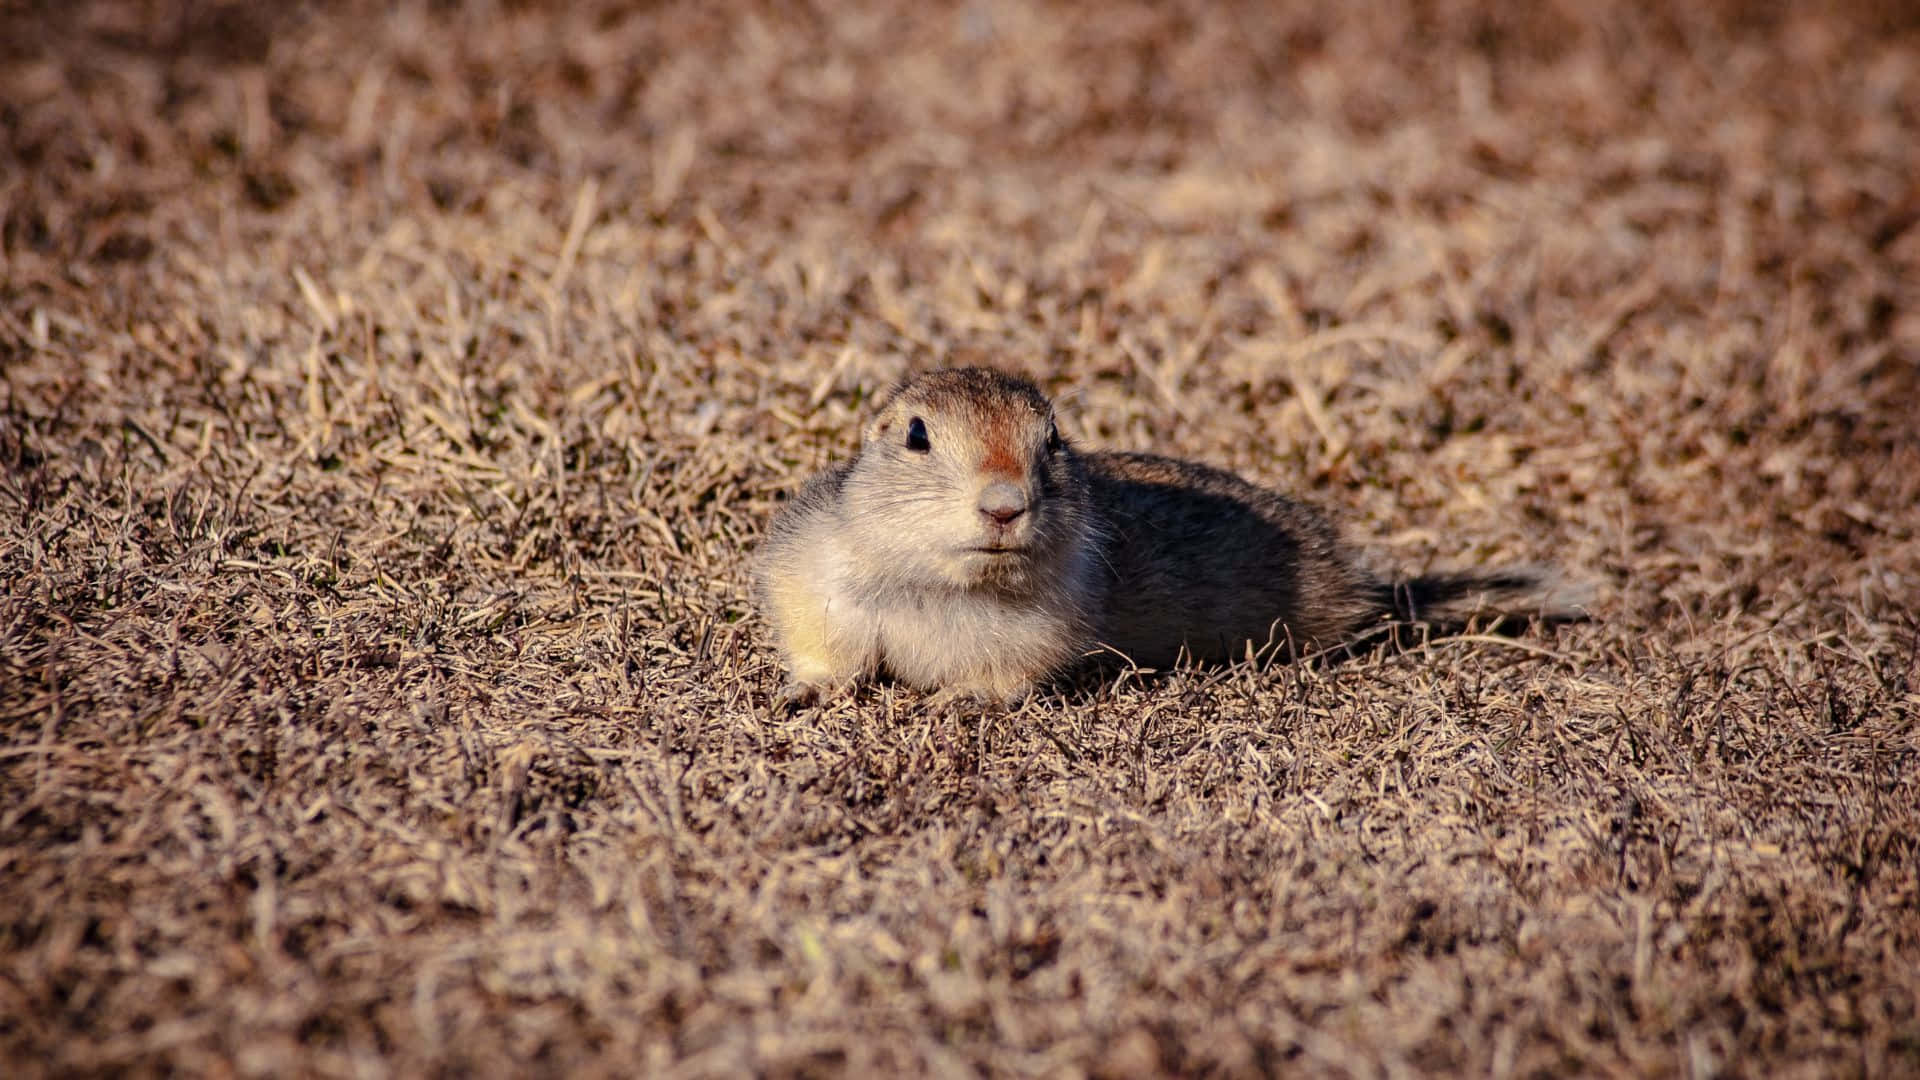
pixel 393 396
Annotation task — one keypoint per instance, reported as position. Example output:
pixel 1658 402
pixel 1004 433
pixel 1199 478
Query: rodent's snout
pixel 1002 502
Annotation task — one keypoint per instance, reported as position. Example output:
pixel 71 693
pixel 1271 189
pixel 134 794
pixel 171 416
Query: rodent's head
pixel 964 477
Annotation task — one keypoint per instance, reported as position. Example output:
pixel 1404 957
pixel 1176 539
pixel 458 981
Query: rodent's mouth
pixel 991 549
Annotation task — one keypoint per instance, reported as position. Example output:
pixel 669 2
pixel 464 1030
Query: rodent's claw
pixel 796 695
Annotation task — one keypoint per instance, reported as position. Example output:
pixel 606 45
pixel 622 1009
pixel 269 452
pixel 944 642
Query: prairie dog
pixel 969 548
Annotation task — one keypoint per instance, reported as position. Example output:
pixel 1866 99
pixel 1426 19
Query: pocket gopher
pixel 970 548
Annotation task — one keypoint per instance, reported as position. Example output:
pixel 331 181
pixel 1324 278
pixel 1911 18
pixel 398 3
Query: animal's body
pixel 969 548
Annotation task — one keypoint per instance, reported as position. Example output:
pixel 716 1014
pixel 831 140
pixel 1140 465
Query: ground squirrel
pixel 970 548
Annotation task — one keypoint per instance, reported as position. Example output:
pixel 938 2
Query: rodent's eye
pixel 1053 438
pixel 917 436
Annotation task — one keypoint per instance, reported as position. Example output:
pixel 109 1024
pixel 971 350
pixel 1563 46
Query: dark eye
pixel 917 436
pixel 1053 438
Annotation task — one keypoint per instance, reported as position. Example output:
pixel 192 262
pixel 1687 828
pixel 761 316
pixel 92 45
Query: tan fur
pixel 890 560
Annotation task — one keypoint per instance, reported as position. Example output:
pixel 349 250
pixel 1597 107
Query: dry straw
pixel 393 394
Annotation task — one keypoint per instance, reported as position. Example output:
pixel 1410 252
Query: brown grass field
pixel 394 393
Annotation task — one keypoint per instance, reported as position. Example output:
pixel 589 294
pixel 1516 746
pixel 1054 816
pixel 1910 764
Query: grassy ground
pixel 393 395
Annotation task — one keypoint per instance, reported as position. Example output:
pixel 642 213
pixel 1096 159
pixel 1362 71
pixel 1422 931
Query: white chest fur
pixel 971 640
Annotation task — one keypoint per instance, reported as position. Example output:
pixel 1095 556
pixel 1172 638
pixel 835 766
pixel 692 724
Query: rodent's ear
pixel 878 429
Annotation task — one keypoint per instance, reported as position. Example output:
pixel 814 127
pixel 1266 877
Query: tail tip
pixel 1535 593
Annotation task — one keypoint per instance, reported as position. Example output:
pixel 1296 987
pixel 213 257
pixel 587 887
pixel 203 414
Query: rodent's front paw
pixel 795 696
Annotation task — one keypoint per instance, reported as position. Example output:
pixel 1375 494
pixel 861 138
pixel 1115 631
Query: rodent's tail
pixel 1505 600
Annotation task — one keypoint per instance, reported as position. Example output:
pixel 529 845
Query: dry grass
pixel 392 397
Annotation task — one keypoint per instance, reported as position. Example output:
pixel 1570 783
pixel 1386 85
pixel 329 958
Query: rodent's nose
pixel 1003 502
